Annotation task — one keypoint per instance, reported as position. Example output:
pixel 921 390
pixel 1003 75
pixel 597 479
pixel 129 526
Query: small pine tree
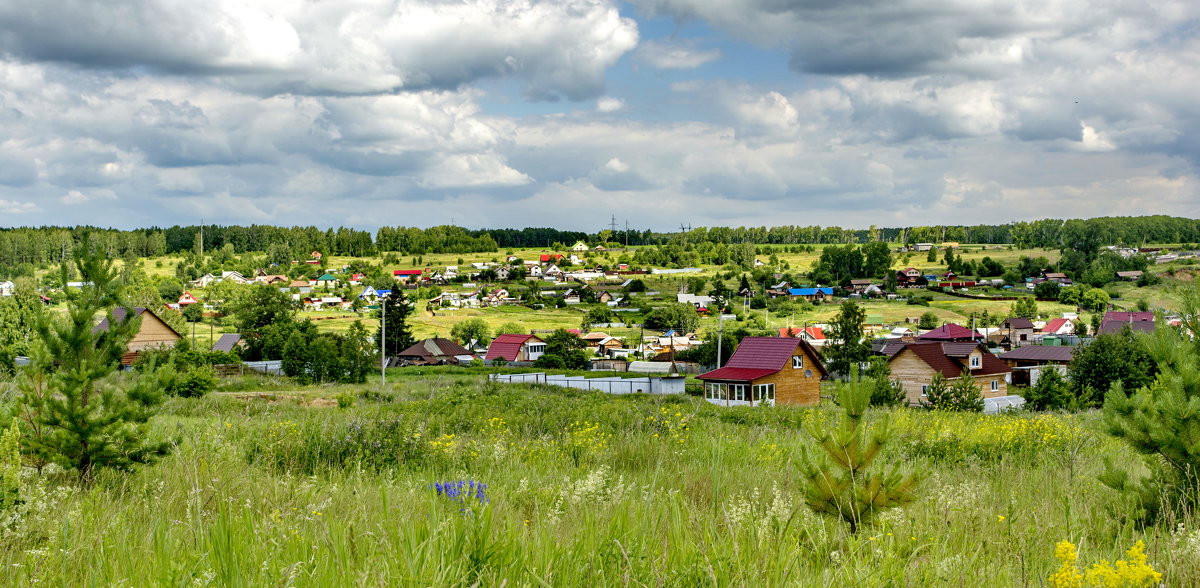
pixel 1051 392
pixel 961 395
pixel 1160 422
pixel 10 466
pixel 841 483
pixel 87 423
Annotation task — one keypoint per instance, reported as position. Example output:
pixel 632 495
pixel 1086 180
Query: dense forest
pixel 35 246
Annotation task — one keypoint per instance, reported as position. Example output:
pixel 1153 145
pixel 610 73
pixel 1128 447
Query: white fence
pixel 606 385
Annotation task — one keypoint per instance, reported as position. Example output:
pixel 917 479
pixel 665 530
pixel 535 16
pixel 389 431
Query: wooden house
pixel 513 347
pixel 767 370
pixel 951 332
pixel 914 365
pixel 153 332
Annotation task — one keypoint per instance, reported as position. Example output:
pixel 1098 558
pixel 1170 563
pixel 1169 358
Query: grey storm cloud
pixel 294 46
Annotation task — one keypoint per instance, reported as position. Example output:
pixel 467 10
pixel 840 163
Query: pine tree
pixel 10 466
pixel 88 423
pixel 398 332
pixel 1161 421
pixel 841 483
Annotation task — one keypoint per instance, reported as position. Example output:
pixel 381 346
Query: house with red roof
pixel 814 335
pixel 1059 326
pixel 512 347
pixel 767 370
pixel 1136 321
pixel 951 332
pixel 406 275
pixel 187 299
pixel 915 364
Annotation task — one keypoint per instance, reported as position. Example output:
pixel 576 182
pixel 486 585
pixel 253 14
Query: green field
pixel 273 485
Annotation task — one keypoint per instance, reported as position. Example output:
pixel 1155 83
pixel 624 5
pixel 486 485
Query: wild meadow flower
pixel 463 493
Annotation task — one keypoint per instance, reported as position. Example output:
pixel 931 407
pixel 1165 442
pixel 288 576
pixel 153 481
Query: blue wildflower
pixel 463 493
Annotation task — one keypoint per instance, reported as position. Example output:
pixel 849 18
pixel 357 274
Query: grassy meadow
pixel 270 484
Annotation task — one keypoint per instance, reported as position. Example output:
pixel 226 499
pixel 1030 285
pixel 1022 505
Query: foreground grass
pixel 583 489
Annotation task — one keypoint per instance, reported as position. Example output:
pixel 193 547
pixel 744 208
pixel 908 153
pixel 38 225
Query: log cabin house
pixel 915 363
pixel 767 370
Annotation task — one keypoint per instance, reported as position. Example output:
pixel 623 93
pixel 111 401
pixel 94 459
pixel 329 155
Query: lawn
pixel 283 488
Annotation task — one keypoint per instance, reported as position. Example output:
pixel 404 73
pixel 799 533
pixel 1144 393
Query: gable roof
pixel 326 278
pixel 811 332
pixel 756 357
pixel 1018 322
pixel 1055 325
pixel 1108 326
pixel 1041 353
pixel 810 291
pixel 119 314
pixel 227 342
pixel 507 346
pixel 1128 316
pixel 434 347
pixel 415 272
pixel 943 357
pixel 950 332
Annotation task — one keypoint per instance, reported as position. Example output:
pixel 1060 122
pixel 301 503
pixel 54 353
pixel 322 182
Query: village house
pixel 914 365
pixel 406 275
pixel 579 246
pixel 1028 362
pixel 7 288
pixel 152 333
pixel 435 351
pixel 326 281
pixel 767 370
pixel 951 332
pixel 696 300
pixel 815 336
pixel 1059 326
pixel 301 286
pixel 356 279
pixel 187 299
pixel 1018 331
pixel 513 347
pixel 272 279
pixel 1116 321
pixel 811 294
pixel 1131 276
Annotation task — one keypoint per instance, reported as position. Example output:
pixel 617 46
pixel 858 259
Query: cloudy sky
pixel 491 113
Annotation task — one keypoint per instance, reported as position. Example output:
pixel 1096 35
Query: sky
pixel 568 113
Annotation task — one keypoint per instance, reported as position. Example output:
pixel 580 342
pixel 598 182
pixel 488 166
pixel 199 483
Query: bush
pixel 345 400
pixel 193 382
pixel 1050 393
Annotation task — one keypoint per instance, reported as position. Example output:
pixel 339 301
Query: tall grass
pixel 583 490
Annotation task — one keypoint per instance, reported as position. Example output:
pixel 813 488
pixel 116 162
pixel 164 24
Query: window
pixel 537 347
pixel 797 362
pixel 764 392
pixel 995 385
pixel 976 362
pixel 737 392
pixel 714 391
pixel 924 390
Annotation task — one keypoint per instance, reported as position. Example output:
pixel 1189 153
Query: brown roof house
pixel 152 333
pixel 915 364
pixel 767 370
pixel 1017 330
pixel 1027 362
pixel 513 347
pixel 435 351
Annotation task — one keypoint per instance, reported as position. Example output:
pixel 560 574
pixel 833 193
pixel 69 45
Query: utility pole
pixel 382 344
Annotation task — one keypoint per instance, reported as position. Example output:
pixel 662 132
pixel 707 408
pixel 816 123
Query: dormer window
pixel 797 362
pixel 976 362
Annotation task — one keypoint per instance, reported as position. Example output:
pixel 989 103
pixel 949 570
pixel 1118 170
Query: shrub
pixel 1051 392
pixel 192 382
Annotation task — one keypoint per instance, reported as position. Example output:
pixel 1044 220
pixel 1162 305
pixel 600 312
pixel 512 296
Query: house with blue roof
pixel 810 294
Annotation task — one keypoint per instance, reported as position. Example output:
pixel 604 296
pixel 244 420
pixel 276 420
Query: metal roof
pixel 739 374
pixel 1041 353
pixel 227 342
pixel 507 346
pixel 950 332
